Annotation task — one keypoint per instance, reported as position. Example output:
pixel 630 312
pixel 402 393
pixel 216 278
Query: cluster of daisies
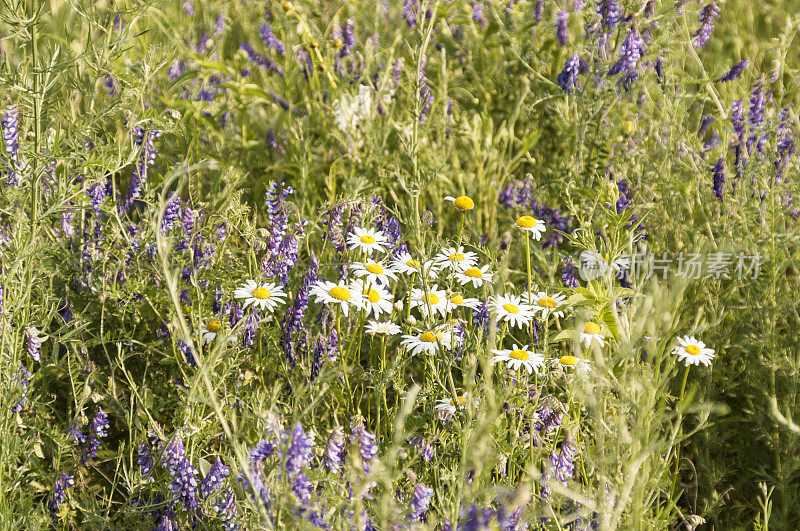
pixel 370 291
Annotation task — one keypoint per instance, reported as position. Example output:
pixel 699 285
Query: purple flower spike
pixel 706 18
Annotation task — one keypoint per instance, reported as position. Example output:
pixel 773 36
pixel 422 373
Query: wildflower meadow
pixel 399 264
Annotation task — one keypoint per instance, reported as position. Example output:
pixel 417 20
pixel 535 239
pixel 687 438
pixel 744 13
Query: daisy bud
pixel 410 320
pixel 398 306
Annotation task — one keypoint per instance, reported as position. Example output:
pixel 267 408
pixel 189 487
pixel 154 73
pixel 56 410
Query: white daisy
pixel 449 405
pixel 456 300
pixel 367 240
pixel 474 275
pixel 546 304
pixel 530 224
pixel 265 295
pixel 427 341
pixel 455 258
pixel 429 302
pixel 374 272
pixel 461 202
pixel 511 309
pixel 692 351
pixel 374 298
pixel 212 329
pixel 519 357
pixel 591 332
pixel 408 265
pixel 384 328
pixel 331 293
pixel 572 362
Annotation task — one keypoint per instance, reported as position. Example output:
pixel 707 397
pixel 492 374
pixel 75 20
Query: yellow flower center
pixel 459 400
pixel 694 350
pixel 287 5
pixel 367 239
pixel 568 360
pixel 374 268
pixel 337 42
pixel 473 272
pixel 526 222
pixel 456 257
pixel 431 298
pixel 372 295
pixel 591 328
pixel 430 337
pixel 214 326
pixel 382 330
pixel 519 355
pixel 339 293
pixel 261 293
pixel 547 302
pixel 464 203
pixel 457 299
pixel 413 263
pixel 511 308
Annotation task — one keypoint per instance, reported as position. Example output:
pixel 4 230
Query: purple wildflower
pixel 719 177
pixel 21 379
pixel 145 460
pixel 538 10
pixel 409 13
pixel 478 17
pixel 420 501
pixel 426 449
pixel 187 351
pixel 219 25
pixel 112 85
pixel 368 448
pixel 300 451
pixel 335 450
pixel 706 18
pixel 568 273
pixel 261 59
pixel 735 72
pixel 480 317
pixel 184 484
pixel 608 10
pixel 567 80
pixel 755 116
pixel 562 21
pixel 33 342
pixel 425 94
pixel 171 213
pixel 633 48
pixel 9 123
pixel 562 461
pixel 59 496
pixel 139 178
pixel 786 144
pixel 269 38
pixel 249 332
pixel 215 479
pixel 302 488
pixel 738 144
pixel 176 69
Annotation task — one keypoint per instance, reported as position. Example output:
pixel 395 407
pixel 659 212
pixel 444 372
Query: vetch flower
pixel 511 309
pixel 374 272
pixel 59 496
pixel 568 78
pixel 719 177
pixel 519 357
pixel 461 202
pixel 692 351
pixel 427 341
pixel 455 258
pixel 375 299
pixel 735 72
pixel 367 240
pixel 562 20
pixel 340 294
pixel 631 52
pixel 591 332
pixel 335 451
pixel 429 302
pixel 474 275
pixel 367 447
pixel 33 342
pixel 535 227
pixel 420 501
pixel 263 295
pixel 706 18
pixel 300 452
pixel 385 328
